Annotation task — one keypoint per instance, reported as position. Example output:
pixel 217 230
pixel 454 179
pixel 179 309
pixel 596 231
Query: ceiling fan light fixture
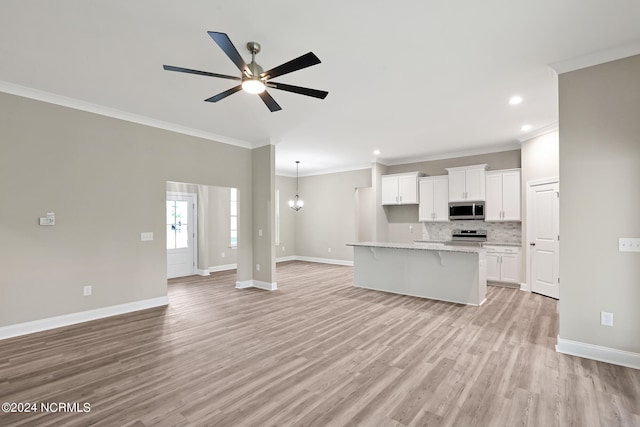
pixel 254 86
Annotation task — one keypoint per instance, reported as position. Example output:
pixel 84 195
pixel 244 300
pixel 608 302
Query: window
pixel 233 241
pixel 177 230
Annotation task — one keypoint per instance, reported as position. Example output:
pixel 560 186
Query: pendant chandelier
pixel 296 203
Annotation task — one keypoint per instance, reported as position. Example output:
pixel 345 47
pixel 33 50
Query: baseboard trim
pixel 200 272
pixel 224 267
pixel 325 260
pixel 26 328
pixel 287 258
pixel 267 286
pixel 599 353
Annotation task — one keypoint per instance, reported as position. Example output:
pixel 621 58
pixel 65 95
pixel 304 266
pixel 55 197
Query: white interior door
pixel 544 238
pixel 181 234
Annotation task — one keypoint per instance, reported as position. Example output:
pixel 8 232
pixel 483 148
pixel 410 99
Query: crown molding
pixel 625 50
pixel 89 107
pixel 327 171
pixel 451 155
pixel 553 127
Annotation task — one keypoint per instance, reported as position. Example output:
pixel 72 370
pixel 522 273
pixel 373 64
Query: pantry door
pixel 544 238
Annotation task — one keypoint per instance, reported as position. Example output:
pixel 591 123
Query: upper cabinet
pixel 503 195
pixel 467 183
pixel 434 199
pixel 400 188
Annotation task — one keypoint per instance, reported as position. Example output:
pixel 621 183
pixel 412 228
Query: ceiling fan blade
pixel 201 73
pixel 224 94
pixel 304 61
pixel 297 89
pixel 225 44
pixel 269 101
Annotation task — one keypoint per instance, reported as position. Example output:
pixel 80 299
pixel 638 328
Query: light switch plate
pixel 146 236
pixel 628 244
pixel 606 319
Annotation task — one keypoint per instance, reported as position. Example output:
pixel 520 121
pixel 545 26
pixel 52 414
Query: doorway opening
pixel 202 229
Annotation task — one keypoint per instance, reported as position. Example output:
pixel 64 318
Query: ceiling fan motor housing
pixel 255 70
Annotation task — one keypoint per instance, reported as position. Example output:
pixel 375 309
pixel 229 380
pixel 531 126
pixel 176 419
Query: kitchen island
pixel 436 271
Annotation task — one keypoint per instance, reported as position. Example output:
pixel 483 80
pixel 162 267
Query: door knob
pixel 532 244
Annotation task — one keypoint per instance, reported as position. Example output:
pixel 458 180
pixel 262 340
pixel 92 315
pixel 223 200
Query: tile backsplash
pixel 505 232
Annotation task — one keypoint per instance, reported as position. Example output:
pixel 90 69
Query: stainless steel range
pixel 468 237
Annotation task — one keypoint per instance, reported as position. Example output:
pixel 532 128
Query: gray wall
pixel 263 191
pixel 218 227
pixel 287 245
pixel 496 161
pixel 328 217
pixel 106 181
pixel 599 202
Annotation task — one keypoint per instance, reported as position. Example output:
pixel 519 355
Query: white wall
pixel 540 160
pixel 599 202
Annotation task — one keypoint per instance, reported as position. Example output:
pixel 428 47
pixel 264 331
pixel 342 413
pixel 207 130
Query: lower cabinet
pixel 503 264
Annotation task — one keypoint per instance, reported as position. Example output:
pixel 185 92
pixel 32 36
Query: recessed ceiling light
pixel 376 152
pixel 526 128
pixel 515 100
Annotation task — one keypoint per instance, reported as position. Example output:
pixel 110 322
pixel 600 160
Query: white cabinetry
pixel 503 195
pixel 400 189
pixel 434 199
pixel 467 183
pixel 503 263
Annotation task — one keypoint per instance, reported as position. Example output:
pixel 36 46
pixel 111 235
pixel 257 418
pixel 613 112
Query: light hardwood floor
pixel 316 352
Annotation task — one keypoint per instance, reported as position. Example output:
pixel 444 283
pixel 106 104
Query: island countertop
pixel 420 246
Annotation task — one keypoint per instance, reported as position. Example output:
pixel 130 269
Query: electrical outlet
pixel 257 267
pixel 606 319
pixel 87 291
pixel 329 250
pixel 260 232
pixel 221 254
pixel 283 249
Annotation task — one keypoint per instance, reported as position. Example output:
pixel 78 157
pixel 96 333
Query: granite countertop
pixel 421 246
pixel 515 244
pixel 489 243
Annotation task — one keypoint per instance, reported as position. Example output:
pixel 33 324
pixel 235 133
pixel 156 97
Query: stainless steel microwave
pixel 466 210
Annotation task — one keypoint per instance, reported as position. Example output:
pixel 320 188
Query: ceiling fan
pixel 253 78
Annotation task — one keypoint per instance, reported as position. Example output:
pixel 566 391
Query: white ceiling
pixel 415 80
